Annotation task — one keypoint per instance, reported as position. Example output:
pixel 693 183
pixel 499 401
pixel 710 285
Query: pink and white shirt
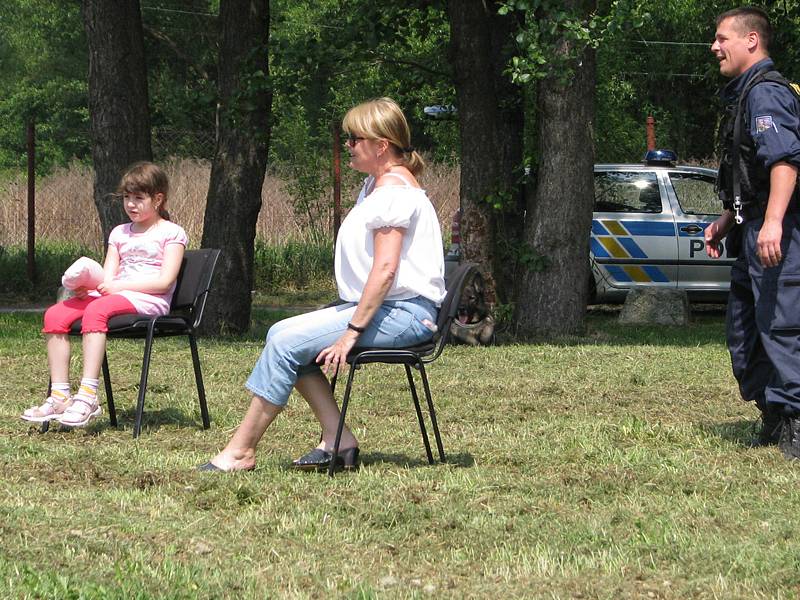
pixel 140 257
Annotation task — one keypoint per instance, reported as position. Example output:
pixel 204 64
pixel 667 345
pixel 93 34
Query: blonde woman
pixel 389 269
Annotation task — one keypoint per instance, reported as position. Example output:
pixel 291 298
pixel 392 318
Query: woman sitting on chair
pixel 389 268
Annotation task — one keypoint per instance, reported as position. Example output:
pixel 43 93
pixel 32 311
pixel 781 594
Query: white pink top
pixel 141 256
pixel 421 269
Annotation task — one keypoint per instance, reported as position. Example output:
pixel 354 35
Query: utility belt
pixel 745 211
pixel 752 211
pixel 756 209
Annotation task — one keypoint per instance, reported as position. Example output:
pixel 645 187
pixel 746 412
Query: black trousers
pixel 763 319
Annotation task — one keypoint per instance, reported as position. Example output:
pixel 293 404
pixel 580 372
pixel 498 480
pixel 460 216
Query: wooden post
pixel 337 179
pixel 32 201
pixel 651 133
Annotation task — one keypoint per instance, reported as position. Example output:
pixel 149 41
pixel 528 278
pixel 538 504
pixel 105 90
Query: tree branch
pixel 161 36
pixel 408 63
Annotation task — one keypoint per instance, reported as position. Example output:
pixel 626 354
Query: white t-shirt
pixel 421 268
pixel 141 256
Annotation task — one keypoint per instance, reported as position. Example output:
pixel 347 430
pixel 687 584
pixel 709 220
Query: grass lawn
pixel 611 466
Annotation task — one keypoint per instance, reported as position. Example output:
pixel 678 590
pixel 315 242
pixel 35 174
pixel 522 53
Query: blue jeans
pixel 294 343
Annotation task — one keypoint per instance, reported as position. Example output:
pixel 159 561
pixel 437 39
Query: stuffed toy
pixel 84 272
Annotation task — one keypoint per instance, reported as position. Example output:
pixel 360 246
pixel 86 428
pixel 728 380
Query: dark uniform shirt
pixel 774 117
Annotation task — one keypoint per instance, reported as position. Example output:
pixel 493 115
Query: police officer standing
pixel 760 150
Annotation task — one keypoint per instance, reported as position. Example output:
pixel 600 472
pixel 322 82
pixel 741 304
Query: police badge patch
pixel 764 123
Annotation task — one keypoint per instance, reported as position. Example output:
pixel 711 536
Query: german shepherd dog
pixel 473 324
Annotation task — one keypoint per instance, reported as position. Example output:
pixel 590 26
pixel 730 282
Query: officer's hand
pixel 713 234
pixel 768 245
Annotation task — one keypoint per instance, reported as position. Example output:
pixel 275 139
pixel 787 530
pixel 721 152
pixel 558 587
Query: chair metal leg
pixel 333 382
pixel 112 411
pixel 148 348
pixel 432 411
pixel 422 429
pixel 342 415
pixel 198 377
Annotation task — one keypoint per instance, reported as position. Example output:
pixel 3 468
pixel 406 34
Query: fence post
pixel 32 201
pixel 651 133
pixel 337 180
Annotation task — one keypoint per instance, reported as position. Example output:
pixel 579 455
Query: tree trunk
pixel 118 99
pixel 240 160
pixel 491 124
pixel 554 291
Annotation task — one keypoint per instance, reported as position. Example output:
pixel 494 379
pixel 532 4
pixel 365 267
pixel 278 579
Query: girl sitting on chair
pixel 141 266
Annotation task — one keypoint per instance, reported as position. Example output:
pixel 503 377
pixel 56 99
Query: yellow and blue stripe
pixel 613 239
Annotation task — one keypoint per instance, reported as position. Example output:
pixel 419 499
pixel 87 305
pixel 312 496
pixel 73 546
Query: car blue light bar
pixel 660 157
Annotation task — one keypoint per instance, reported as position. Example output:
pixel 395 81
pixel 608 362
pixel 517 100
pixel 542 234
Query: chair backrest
pixel 194 282
pixel 454 284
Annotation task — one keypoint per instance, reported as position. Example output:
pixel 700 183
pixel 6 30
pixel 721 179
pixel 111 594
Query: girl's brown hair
pixel 382 118
pixel 147 178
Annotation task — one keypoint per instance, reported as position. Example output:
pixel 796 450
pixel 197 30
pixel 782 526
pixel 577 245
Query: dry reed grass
pixel 65 209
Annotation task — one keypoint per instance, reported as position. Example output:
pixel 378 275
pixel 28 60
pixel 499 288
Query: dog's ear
pixel 477 283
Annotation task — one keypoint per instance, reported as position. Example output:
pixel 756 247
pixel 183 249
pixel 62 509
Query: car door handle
pixel 691 229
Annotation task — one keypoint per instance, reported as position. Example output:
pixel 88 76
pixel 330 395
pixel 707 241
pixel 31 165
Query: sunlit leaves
pixel 552 37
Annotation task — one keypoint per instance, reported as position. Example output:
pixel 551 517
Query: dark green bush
pixel 52 259
pixel 295 264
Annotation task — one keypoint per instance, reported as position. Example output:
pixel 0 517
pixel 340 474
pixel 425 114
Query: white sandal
pixel 51 409
pixel 79 413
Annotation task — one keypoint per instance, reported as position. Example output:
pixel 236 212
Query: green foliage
pixel 503 315
pixel 552 38
pixel 674 81
pixel 52 259
pixel 327 56
pixel 500 200
pixel 294 264
pixel 181 48
pixel 42 78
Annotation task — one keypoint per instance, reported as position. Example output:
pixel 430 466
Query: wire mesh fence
pixel 65 209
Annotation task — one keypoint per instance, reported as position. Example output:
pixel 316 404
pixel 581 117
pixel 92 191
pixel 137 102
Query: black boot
pixel 771 424
pixel 790 437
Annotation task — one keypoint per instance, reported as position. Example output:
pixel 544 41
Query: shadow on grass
pixel 739 432
pixel 152 421
pixel 402 460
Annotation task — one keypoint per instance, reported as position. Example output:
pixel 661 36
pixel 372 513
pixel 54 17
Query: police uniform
pixel 763 318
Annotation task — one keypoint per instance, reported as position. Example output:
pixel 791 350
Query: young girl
pixel 142 263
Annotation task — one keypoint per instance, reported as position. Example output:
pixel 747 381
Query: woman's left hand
pixel 335 356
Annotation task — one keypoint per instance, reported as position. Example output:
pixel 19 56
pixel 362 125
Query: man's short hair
pixel 750 18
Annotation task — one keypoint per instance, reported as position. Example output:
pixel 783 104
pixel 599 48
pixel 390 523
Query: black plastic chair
pixel 186 314
pixel 412 356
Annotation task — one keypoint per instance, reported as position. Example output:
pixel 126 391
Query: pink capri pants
pixel 95 313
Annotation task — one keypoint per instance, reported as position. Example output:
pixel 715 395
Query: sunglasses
pixel 351 139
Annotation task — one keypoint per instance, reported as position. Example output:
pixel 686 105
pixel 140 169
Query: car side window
pixel 626 191
pixel 695 193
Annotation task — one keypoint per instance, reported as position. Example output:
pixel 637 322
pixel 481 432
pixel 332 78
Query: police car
pixel 647 230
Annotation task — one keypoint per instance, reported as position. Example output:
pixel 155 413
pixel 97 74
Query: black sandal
pixel 319 459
